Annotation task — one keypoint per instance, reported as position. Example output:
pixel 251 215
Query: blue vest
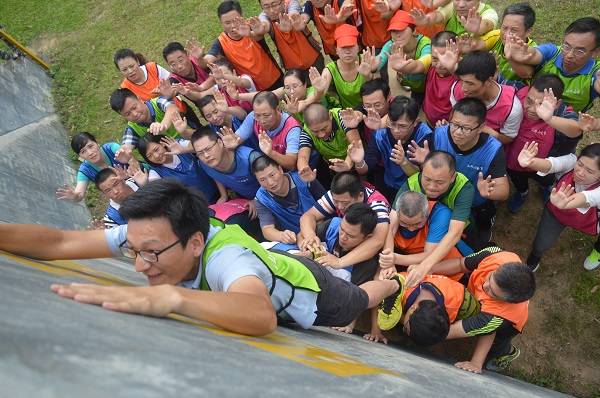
pixel 90 171
pixel 241 180
pixel 114 215
pixel 470 164
pixel 393 175
pixel 331 237
pixel 189 172
pixel 289 218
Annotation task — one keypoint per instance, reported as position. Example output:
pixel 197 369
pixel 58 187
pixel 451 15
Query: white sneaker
pixel 592 261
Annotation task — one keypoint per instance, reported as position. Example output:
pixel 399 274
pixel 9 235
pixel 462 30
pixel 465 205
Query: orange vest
pixel 145 91
pixel 374 26
pixel 294 48
pixel 452 291
pixel 428 31
pixel 249 58
pixel 326 30
pixel 516 313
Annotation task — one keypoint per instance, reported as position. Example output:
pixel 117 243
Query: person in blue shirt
pixel 218 114
pixel 389 146
pixel 117 187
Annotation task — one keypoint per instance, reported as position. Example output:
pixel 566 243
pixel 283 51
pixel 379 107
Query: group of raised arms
pixel 369 151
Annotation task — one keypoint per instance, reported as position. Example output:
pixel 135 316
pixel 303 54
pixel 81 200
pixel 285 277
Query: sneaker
pixel 503 361
pixel 390 309
pixel 533 262
pixel 517 201
pixel 592 261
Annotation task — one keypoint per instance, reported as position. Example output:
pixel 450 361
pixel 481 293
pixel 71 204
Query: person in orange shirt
pixel 426 6
pixel 374 16
pixel 503 285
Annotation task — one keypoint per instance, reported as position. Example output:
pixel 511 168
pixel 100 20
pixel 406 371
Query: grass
pixel 560 344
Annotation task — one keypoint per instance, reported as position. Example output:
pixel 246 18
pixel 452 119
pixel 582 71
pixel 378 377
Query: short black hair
pixel 471 107
pixel 143 145
pixel 361 214
pixel 204 131
pixel 523 9
pixel 202 102
pixel 118 97
pixel 481 64
pixel 79 140
pixel 262 162
pixel 374 85
pixel 516 280
pixel 347 182
pixel 221 61
pixel 228 6
pixel 592 151
pixel 401 106
pixel 185 208
pixel 103 175
pixel 440 159
pixel 547 81
pixel 586 25
pixel 429 323
pixel 171 48
pixel 266 96
pixel 440 38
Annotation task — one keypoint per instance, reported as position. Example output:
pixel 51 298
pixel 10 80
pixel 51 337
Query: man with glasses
pixel 480 157
pixel 573 61
pixel 199 267
pixel 389 145
pixel 503 285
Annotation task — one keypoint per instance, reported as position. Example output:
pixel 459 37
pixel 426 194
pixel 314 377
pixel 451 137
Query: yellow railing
pixel 11 41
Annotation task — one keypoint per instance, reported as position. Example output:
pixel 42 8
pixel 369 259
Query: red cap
pixel 345 35
pixel 400 21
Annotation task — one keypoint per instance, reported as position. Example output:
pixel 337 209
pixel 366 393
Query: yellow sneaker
pixel 390 309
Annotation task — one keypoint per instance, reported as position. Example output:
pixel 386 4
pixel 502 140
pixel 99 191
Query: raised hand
pixel 368 56
pixel 232 90
pixel 329 16
pixel 157 128
pixel 230 139
pixel 290 104
pixel 338 165
pixel 449 59
pixel 562 196
pixel 465 43
pixel 220 101
pixel 518 50
pixel 373 120
pixel 165 89
pixel 139 174
pixel 172 145
pixel 66 193
pixel 265 143
pixel 351 118
pixel 545 109
pixel 317 80
pixel 194 49
pixel 441 122
pixel 346 11
pixel 527 154
pixel 216 71
pixel 419 16
pixel 416 153
pixel 397 59
pixel 122 172
pixel 398 156
pixel 242 27
pixel 472 23
pixel 356 152
pixel 284 23
pixel 123 154
pixel 307 174
pixel 588 123
pixel 485 186
pixel 297 22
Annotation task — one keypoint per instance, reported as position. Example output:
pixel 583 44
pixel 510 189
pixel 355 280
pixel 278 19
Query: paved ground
pixel 53 347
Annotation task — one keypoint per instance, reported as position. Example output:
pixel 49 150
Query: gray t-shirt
pixel 233 262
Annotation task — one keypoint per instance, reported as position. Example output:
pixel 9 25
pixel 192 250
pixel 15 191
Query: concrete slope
pixel 33 149
pixel 54 347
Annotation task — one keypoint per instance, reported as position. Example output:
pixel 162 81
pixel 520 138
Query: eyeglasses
pixel 398 126
pixel 207 150
pixel 578 52
pixel 271 6
pixel 464 129
pixel 150 256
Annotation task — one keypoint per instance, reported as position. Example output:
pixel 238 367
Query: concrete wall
pixel 33 151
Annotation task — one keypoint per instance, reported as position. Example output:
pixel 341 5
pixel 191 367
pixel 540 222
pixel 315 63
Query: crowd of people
pixel 371 180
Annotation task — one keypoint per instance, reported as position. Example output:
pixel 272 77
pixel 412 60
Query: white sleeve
pixel 252 88
pixel 163 74
pixel 153 175
pixel 592 197
pixel 560 164
pixel 513 121
pixel 452 97
pixel 114 237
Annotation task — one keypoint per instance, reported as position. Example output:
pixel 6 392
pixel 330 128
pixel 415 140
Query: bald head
pixel 315 113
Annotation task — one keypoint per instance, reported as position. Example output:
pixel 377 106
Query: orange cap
pixel 400 21
pixel 345 35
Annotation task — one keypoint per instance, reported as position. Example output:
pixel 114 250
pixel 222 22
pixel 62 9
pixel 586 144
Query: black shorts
pixel 339 302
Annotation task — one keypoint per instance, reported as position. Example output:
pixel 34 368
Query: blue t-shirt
pixel 87 169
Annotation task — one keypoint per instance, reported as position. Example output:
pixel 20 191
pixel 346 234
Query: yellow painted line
pixel 10 39
pixel 276 343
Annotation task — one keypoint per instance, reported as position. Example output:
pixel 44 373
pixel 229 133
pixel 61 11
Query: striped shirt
pixel 326 207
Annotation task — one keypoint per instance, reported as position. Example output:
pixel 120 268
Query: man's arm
pixel 303 157
pixel 367 249
pixel 308 227
pixel 46 243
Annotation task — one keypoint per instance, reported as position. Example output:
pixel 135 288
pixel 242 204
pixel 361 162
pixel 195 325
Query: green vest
pixel 335 148
pixel 142 130
pixel 282 267
pixel 348 92
pixel 578 88
pixel 416 81
pixel 454 25
pixel 504 68
pixel 450 196
pixel 328 101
